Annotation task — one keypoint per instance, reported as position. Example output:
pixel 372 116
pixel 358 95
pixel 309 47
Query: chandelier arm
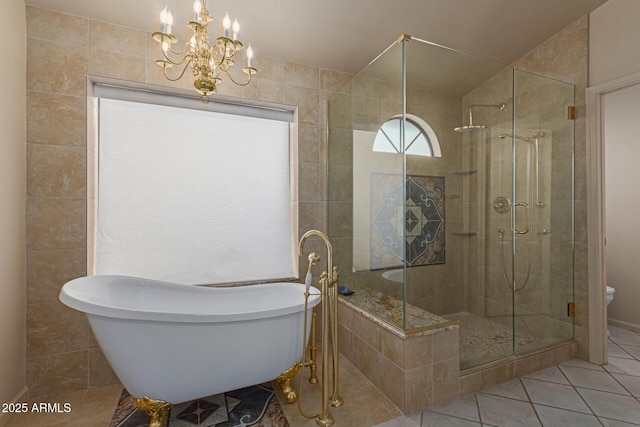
pixel 225 53
pixel 164 69
pixel 187 58
pixel 187 46
pixel 231 78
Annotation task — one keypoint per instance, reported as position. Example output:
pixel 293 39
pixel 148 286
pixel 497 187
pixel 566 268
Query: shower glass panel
pixel 483 173
pixel 365 175
pixel 450 198
pixel 542 148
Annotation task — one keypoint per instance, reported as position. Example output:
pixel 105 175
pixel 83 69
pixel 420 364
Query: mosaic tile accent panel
pixel 414 226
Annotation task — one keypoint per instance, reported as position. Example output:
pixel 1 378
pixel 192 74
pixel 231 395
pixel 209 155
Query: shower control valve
pixel 502 204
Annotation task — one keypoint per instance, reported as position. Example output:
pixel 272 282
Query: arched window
pixel 420 139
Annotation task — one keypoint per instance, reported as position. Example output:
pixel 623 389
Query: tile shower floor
pixel 574 393
pixel 483 340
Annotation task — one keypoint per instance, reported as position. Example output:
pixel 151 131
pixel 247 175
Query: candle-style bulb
pixel 169 22
pixel 249 56
pixel 236 29
pixel 197 7
pixel 163 20
pixel 226 24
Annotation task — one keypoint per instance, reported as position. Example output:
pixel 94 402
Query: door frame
pixel 596 213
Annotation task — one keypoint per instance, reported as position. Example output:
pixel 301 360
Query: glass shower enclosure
pixel 450 198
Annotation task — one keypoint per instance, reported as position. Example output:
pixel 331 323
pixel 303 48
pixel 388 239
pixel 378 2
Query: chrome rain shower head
pixel 475 128
pixel 469 129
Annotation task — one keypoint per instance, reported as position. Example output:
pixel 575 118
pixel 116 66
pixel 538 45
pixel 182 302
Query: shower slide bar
pixel 539 203
pixel 536 152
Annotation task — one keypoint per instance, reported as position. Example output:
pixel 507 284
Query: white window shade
pixel 193 197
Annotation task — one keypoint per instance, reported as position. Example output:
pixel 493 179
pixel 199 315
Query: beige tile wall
pixel 413 371
pixel 62 355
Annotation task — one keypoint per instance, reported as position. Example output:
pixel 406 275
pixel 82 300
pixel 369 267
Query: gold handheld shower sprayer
pixel 329 302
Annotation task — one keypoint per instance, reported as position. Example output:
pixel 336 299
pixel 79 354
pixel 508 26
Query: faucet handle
pixel 314 258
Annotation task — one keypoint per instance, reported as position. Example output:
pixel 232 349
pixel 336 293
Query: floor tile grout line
pixel 503 397
pixel 565 409
pixel 529 398
pixel 615 394
pixel 548 381
pixel 606 391
pixel 448 415
pixel 628 345
pixel 621 421
pixel 622 348
pixel 621 385
pixel 475 398
pixel 567 364
pixel 600 390
pixel 575 388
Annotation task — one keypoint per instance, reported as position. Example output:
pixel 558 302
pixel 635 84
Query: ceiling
pixel 345 35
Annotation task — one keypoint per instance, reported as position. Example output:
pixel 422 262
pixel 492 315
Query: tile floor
pixel 574 393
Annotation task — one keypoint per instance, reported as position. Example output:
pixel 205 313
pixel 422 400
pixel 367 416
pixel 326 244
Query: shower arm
pixel 472 106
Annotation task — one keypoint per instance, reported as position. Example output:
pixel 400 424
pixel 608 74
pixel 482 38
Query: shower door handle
pixel 514 223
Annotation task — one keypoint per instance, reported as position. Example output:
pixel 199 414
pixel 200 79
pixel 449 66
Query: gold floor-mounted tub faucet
pixel 329 296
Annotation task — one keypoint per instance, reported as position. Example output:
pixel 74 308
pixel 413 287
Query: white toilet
pixel 610 292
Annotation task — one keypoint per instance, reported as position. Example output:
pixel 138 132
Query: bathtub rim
pixel 100 308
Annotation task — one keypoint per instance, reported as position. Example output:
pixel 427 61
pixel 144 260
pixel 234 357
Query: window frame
pixel 424 130
pixel 154 94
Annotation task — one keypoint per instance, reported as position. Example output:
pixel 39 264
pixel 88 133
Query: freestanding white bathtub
pixel 175 343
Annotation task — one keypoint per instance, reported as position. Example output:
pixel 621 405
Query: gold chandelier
pixel 207 62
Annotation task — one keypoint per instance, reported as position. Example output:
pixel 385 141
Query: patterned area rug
pixel 251 406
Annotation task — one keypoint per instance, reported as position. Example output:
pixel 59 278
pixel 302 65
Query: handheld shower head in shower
pixel 475 128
